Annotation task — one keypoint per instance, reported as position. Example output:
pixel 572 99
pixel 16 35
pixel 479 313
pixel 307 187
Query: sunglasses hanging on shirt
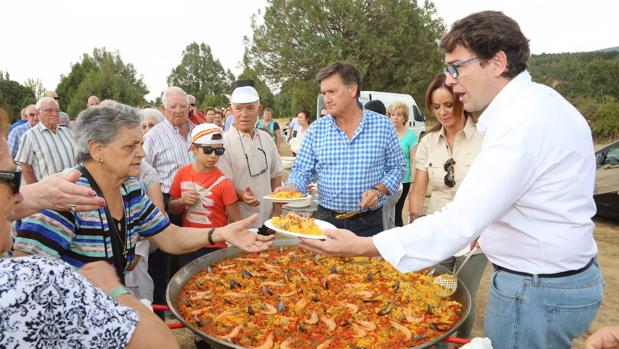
pixel 449 179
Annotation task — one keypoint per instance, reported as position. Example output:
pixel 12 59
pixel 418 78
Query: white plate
pixel 280 200
pixel 322 224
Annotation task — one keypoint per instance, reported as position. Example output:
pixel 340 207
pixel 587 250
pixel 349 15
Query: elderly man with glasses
pixel 45 149
pixel 251 159
pixel 30 112
pixel 167 150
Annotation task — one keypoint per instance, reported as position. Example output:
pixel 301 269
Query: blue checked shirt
pixel 347 168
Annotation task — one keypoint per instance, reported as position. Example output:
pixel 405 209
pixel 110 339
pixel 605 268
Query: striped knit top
pixel 82 237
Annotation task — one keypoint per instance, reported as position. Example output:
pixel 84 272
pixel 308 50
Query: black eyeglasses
pixel 14 179
pixel 449 177
pixel 208 150
pixel 264 155
pixel 452 69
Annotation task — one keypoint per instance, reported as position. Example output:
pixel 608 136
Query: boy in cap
pixel 200 191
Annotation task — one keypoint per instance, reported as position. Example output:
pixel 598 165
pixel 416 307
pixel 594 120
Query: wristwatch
pixel 379 194
pixel 119 291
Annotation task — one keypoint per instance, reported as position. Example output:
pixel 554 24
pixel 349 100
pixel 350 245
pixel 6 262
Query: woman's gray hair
pixel 152 113
pixel 101 124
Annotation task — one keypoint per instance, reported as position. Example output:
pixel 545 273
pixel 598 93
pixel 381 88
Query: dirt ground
pixel 607 237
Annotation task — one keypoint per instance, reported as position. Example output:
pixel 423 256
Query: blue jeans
pixel 368 224
pixel 532 312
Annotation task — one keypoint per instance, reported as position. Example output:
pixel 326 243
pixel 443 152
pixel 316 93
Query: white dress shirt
pixel 529 192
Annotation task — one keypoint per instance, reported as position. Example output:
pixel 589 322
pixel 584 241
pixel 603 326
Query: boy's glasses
pixel 449 177
pixel 14 179
pixel 208 150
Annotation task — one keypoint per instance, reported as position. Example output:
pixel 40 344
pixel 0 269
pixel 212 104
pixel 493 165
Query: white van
pixel 416 120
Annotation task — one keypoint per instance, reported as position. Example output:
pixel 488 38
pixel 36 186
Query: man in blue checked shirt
pixel 354 153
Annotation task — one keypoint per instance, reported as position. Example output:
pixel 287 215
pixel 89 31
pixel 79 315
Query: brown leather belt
pixel 358 215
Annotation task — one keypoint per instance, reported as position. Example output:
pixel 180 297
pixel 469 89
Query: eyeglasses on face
pixel 50 110
pixel 449 179
pixel 208 150
pixel 14 179
pixel 452 69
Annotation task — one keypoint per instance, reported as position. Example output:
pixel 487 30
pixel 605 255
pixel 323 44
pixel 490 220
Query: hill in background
pixel 589 80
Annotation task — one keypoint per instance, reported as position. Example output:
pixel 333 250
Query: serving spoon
pixel 449 282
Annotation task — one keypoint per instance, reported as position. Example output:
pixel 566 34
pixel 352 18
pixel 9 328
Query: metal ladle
pixel 449 282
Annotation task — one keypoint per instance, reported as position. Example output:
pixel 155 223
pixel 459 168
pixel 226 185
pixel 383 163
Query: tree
pixel 200 74
pixel 14 96
pixel 103 74
pixel 393 43
pixel 36 86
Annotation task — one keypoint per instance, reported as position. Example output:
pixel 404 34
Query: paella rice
pixel 288 298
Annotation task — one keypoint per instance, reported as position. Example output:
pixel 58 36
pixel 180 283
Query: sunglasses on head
pixel 449 177
pixel 14 179
pixel 207 149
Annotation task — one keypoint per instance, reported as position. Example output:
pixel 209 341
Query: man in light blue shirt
pixel 15 134
pixel 354 154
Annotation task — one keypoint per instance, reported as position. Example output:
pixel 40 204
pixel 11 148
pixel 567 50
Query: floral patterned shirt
pixel 44 303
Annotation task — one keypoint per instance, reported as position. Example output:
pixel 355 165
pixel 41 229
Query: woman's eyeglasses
pixel 14 179
pixel 208 150
pixel 449 177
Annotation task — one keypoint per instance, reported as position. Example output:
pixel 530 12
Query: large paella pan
pixel 228 296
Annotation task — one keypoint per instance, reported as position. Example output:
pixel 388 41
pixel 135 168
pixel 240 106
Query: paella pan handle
pixel 455 340
pixel 160 307
pixel 171 325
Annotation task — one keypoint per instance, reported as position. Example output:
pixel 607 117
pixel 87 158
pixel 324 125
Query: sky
pixel 41 39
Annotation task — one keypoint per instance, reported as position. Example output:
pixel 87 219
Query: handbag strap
pixel 120 262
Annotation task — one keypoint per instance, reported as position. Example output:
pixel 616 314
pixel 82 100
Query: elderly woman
pixel 37 293
pixel 150 118
pixel 109 140
pixel 398 114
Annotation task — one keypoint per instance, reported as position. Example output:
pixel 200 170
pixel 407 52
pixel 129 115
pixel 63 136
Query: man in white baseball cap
pixel 251 159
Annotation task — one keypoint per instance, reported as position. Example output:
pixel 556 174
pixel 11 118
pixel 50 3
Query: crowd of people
pixel 117 200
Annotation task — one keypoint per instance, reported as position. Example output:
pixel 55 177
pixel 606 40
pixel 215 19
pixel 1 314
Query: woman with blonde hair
pixel 398 113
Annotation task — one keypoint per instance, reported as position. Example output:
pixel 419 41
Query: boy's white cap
pixel 244 94
pixel 207 134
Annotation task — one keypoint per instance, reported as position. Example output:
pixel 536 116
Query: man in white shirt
pixel 527 195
